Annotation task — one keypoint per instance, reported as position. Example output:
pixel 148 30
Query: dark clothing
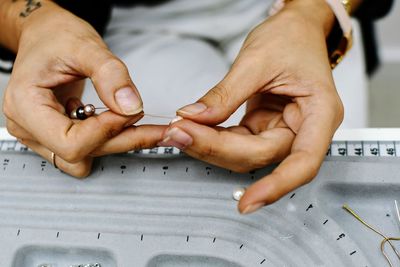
pixel 366 14
pixel 97 13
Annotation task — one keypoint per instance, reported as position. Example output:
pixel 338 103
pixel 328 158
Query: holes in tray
pixel 59 256
pixel 186 260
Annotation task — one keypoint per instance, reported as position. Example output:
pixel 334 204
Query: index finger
pixel 300 167
pixel 68 140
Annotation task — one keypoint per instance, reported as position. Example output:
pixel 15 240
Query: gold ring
pixel 53 159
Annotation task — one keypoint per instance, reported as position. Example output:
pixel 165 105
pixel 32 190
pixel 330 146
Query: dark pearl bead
pixel 80 113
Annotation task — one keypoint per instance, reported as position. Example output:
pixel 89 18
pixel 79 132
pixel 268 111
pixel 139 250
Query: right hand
pixel 56 51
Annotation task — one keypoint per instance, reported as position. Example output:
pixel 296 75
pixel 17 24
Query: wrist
pixel 317 12
pixel 14 15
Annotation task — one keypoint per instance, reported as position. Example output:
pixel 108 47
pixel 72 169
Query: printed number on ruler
pixel 337 148
pixel 364 148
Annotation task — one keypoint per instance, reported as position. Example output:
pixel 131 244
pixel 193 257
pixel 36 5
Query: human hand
pixel 56 51
pixel 293 108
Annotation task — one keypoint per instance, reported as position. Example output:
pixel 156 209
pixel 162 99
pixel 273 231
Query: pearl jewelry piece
pixel 80 113
pixel 238 193
pixel 83 112
pixel 89 110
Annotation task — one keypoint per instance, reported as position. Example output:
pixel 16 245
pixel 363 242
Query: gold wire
pixel 385 238
pixel 383 248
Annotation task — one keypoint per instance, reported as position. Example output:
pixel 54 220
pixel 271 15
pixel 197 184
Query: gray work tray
pixel 176 211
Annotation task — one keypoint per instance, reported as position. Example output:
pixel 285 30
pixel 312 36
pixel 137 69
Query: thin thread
pixel 146 114
pixel 385 238
pixel 158 116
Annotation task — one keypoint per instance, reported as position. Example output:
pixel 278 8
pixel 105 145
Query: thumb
pixel 113 84
pixel 218 104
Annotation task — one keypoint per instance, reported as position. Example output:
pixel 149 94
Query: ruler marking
pixel 336 148
pixel 362 148
pixel 379 149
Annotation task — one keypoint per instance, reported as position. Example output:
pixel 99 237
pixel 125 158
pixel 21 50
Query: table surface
pixel 148 211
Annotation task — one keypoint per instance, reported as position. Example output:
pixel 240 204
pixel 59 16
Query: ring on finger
pixel 53 159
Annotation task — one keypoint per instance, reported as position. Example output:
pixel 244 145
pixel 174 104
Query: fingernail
pixel 177 138
pixel 134 119
pixel 193 109
pixel 176 119
pixel 252 208
pixel 128 101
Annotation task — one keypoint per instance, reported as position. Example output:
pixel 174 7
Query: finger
pixel 132 138
pixel 299 168
pixel 70 140
pixel 268 101
pixel 112 81
pixel 259 120
pixel 17 131
pixel 79 169
pixel 228 95
pixel 228 149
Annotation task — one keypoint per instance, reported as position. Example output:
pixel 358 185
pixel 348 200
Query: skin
pixel 43 81
pixel 282 73
pixel 293 108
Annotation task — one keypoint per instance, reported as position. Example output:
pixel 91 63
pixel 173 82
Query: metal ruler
pixel 370 142
pixel 365 148
pixel 337 148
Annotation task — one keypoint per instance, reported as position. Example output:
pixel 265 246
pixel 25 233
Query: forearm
pixel 13 15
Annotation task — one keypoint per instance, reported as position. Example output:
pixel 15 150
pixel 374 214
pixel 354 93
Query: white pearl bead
pixel 238 193
pixel 89 110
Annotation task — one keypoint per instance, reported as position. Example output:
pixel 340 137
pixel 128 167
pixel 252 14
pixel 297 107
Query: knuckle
pixel 340 111
pixel 208 152
pixel 7 106
pixel 71 154
pixel 220 93
pixel 335 109
pixel 139 144
pixel 262 156
pixel 12 129
pixel 110 64
pixel 108 131
pixel 6 110
pixel 261 159
pixel 81 169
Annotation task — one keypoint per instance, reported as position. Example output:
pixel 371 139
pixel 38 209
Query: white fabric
pixel 171 62
pixel 352 84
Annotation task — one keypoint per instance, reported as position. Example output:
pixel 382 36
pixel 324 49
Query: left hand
pixel 293 110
